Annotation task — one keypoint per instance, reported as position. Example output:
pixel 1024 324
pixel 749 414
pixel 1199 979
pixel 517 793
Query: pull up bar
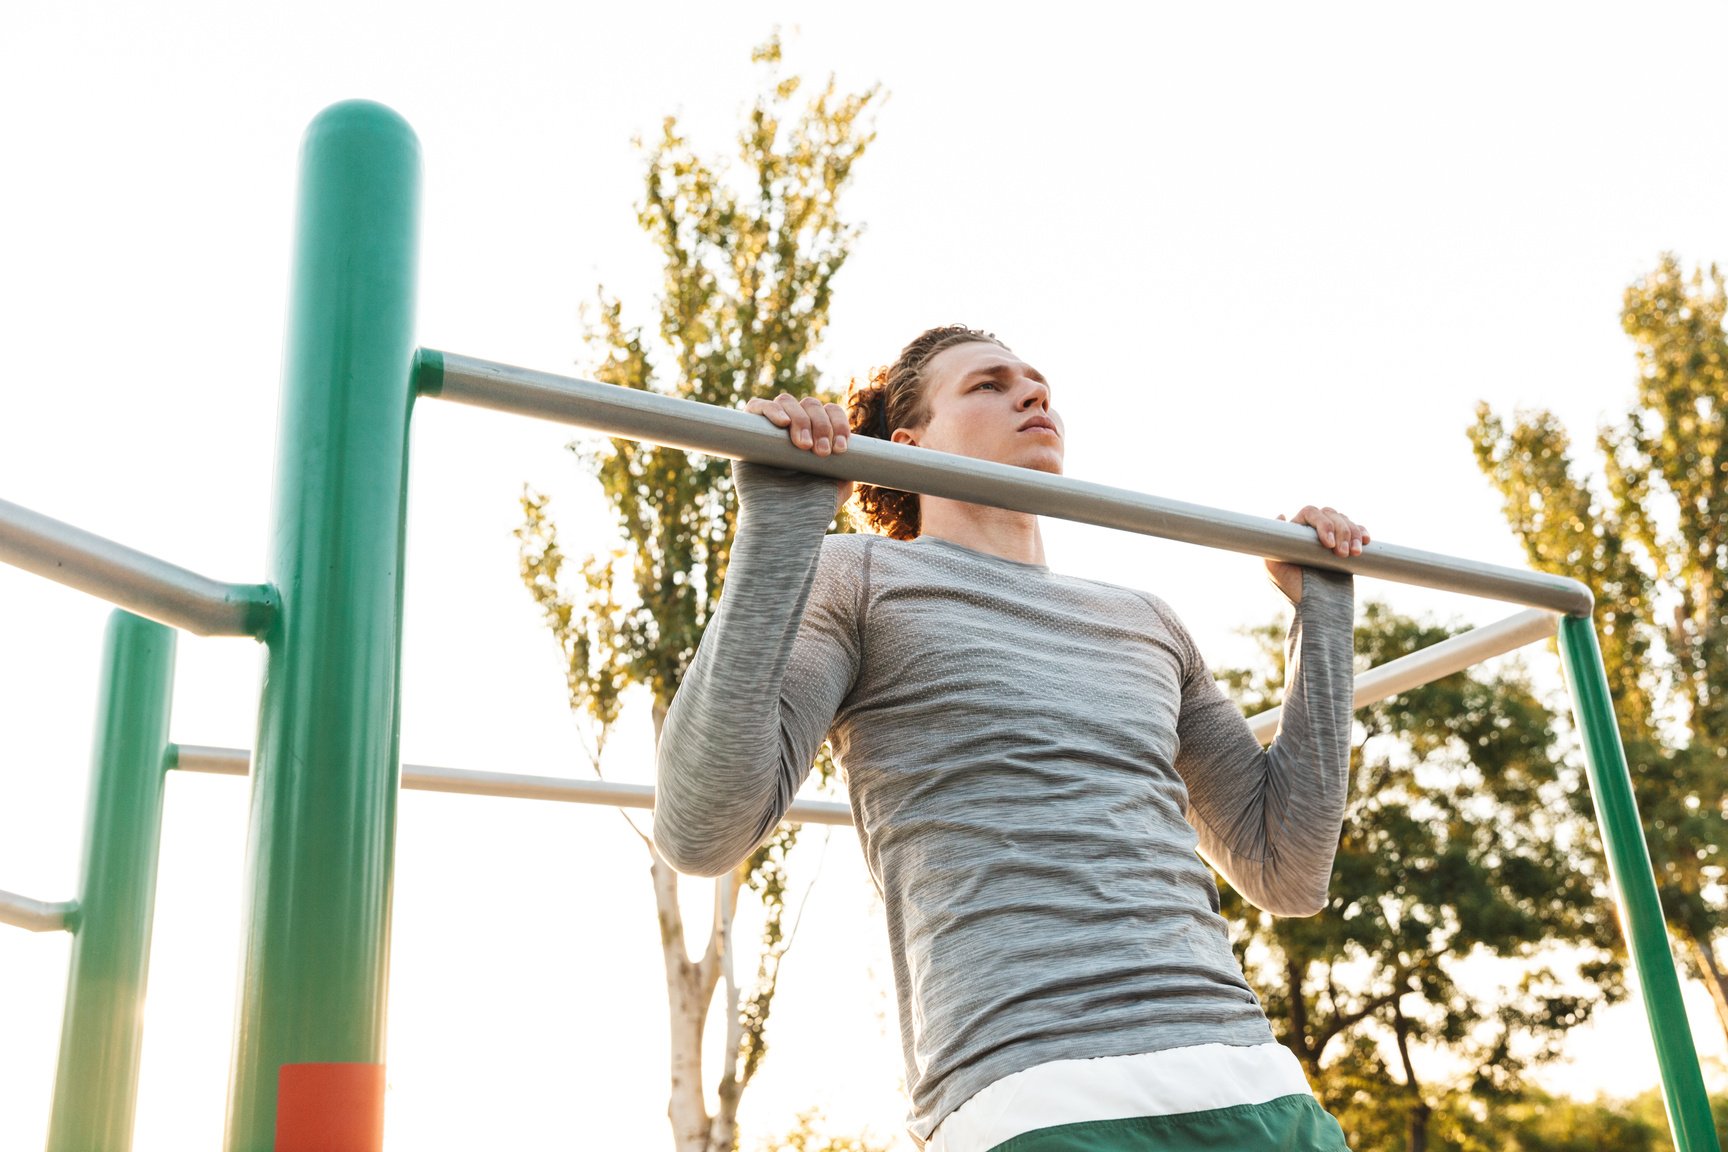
pixel 688 424
pixel 131 579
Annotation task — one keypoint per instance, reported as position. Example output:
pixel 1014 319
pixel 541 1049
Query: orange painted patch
pixel 330 1108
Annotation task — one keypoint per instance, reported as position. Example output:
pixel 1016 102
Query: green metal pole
pixel 324 772
pixel 1635 884
pixel 96 1086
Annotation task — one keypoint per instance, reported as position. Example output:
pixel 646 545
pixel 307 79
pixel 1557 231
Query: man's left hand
pixel 1334 530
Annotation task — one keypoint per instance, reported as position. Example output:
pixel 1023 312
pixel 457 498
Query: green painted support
pixel 96 1086
pixel 1635 886
pixel 324 773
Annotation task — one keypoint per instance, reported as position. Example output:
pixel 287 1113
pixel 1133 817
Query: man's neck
pixel 997 531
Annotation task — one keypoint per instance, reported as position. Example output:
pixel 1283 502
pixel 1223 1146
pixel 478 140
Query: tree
pixel 748 282
pixel 1458 843
pixel 804 1138
pixel 1544 1123
pixel 1649 535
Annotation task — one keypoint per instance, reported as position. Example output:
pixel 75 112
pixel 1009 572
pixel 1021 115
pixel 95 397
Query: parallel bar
pixel 96 1087
pixel 1401 675
pixel 321 847
pixel 1432 663
pixel 131 579
pixel 424 778
pixel 1635 885
pixel 36 915
pixel 718 431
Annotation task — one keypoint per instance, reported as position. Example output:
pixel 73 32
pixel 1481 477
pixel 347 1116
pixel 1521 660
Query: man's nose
pixel 1035 395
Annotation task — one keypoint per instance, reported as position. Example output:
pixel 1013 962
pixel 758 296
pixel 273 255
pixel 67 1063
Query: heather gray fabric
pixel 1032 761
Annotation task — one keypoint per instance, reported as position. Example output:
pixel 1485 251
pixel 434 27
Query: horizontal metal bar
pixel 131 579
pixel 719 431
pixel 424 778
pixel 1433 663
pixel 37 915
pixel 1389 679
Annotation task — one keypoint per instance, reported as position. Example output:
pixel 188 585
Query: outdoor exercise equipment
pixel 310 1028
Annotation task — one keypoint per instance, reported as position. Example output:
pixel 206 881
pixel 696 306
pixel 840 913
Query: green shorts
pixel 1252 1098
pixel 1288 1124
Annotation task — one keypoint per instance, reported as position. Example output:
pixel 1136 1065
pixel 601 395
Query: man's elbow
pixel 703 825
pixel 706 845
pixel 1293 903
pixel 687 834
pixel 1297 910
pixel 693 855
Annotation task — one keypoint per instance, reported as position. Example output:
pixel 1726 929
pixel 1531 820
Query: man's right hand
pixel 811 425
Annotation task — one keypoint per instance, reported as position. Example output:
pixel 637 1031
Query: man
pixel 1032 761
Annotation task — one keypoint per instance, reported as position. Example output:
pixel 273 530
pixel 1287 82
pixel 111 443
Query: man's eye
pixel 987 384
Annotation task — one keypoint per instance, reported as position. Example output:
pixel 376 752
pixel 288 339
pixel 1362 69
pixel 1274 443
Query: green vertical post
pixel 324 771
pixel 96 1085
pixel 1635 887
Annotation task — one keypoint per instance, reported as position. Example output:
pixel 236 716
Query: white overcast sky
pixel 1267 254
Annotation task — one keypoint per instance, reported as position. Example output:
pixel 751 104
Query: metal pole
pixel 687 424
pixel 1635 884
pixel 37 915
pixel 309 1047
pixel 1400 675
pixel 95 1088
pixel 510 785
pixel 129 578
pixel 1432 663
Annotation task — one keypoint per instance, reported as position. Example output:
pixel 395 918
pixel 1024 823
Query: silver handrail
pixel 129 578
pixel 688 424
pixel 1432 663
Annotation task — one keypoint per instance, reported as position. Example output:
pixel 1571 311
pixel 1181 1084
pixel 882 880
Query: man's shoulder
pixel 846 547
pixel 1159 617
pixel 1159 606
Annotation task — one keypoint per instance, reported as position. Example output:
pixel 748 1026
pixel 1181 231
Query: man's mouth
pixel 1036 422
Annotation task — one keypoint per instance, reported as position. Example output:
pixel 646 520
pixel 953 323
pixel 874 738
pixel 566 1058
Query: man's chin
pixel 1050 462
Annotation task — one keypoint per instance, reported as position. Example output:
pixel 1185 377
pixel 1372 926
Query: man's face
pixel 987 403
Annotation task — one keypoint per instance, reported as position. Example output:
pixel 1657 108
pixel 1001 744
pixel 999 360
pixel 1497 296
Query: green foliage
pixel 747 282
pixel 804 1138
pixel 1536 1121
pixel 1649 535
pixel 1543 1123
pixel 589 630
pixel 1459 842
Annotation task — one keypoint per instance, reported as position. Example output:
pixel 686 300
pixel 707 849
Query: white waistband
pixel 1193 1079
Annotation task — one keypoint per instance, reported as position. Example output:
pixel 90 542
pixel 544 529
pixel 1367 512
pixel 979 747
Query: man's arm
pixel 774 664
pixel 1269 820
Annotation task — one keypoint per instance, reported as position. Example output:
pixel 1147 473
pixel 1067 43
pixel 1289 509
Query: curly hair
pixel 895 398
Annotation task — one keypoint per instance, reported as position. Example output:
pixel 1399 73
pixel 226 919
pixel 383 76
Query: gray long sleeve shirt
pixel 1032 761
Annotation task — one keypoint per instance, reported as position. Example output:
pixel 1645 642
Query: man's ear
pixel 905 436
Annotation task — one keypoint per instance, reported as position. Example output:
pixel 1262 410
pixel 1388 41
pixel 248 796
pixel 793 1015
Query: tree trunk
pixel 1704 953
pixel 1299 1041
pixel 690 988
pixel 723 1129
pixel 688 994
pixel 686 1015
pixel 1417 1140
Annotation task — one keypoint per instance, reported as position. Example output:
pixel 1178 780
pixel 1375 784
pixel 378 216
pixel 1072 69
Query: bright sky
pixel 1266 256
